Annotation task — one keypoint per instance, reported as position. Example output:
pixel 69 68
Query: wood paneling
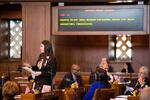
pixel 9 65
pixel 87 51
pixel 10 11
pixel 83 50
pixel 36 27
pixel 140 41
pixel 7 12
pixel 140 51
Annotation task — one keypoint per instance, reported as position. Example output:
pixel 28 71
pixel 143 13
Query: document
pixel 29 70
pixel 46 88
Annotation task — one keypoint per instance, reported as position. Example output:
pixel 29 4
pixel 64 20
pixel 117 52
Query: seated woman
pixel 101 82
pixel 110 76
pixel 9 90
pixel 105 61
pixel 127 68
pixel 140 83
pixel 104 67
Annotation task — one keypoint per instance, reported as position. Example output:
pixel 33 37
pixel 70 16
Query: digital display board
pixel 100 19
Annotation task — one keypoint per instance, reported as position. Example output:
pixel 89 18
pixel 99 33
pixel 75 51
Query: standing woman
pixel 45 68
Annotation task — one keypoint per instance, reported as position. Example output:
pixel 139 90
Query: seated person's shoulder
pixel 68 74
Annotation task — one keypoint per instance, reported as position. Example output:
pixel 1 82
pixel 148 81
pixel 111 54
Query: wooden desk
pixel 85 77
pixel 126 75
pixel 55 95
pixel 125 97
pixel 22 82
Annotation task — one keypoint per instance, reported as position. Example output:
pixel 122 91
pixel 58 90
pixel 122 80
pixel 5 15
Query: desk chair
pixel 69 94
pixel 104 94
pixel 133 98
pixel 29 96
pixel 80 92
pixel 87 87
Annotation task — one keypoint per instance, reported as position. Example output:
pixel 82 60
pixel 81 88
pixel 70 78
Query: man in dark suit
pixel 72 78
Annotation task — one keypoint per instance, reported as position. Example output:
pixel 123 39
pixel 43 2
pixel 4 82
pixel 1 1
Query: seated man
pixel 72 79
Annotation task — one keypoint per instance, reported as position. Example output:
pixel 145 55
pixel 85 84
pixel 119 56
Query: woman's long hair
pixel 42 56
pixel 48 50
pixel 102 76
pixel 130 69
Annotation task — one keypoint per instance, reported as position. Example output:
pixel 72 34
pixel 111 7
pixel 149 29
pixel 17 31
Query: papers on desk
pixel 46 88
pixel 121 97
pixel 17 97
pixel 124 83
pixel 128 89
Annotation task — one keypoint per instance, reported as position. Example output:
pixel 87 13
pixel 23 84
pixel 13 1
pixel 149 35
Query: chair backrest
pixel 80 92
pixel 119 89
pixel 104 94
pixel 69 94
pixel 29 96
pixel 87 87
pixel 57 79
pixel 133 98
pixel 59 94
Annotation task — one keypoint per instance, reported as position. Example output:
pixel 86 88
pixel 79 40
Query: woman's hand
pixel 75 85
pixel 26 64
pixel 38 73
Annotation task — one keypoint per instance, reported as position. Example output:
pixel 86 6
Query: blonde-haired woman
pixel 143 75
pixel 141 82
pixel 104 62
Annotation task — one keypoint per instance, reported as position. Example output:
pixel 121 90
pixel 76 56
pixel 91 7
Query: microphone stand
pixel 8 74
pixel 52 92
pixel 51 73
